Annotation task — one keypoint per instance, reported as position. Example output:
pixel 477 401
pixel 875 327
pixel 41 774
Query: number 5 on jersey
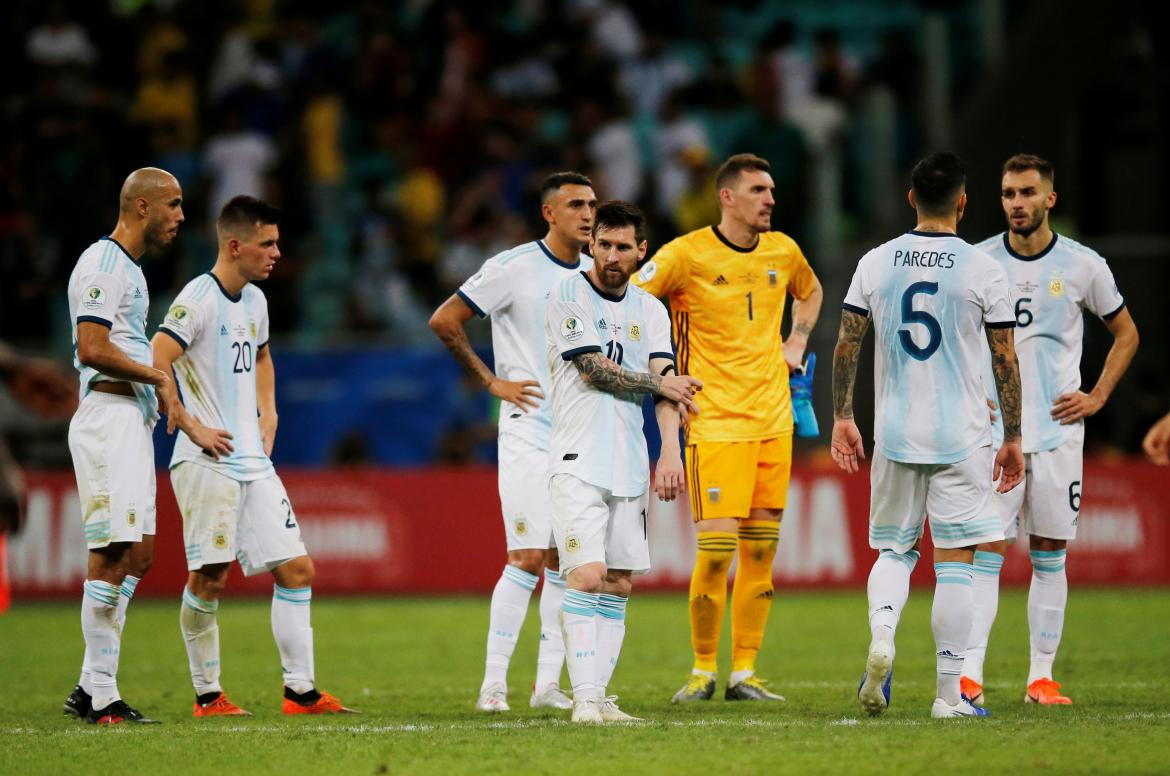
pixel 921 317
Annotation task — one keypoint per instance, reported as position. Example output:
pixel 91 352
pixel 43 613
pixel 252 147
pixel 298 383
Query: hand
pixel 168 402
pixel 1157 442
pixel 268 431
pixel 213 441
pixel 793 350
pixel 846 446
pixel 681 389
pixel 524 394
pixel 993 408
pixel 1009 466
pixel 43 387
pixel 1071 407
pixel 668 477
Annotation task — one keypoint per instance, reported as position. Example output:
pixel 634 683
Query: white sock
pixel 985 590
pixel 551 656
pixel 579 619
pixel 201 635
pixel 99 626
pixel 294 635
pixel 129 585
pixel 888 588
pixel 611 631
pixel 509 607
pixel 950 621
pixel 1047 598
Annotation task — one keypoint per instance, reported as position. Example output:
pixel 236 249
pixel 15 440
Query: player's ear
pixel 1051 199
pixel 961 205
pixel 642 248
pixel 910 199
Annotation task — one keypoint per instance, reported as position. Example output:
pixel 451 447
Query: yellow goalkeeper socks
pixel 708 596
pixel 751 596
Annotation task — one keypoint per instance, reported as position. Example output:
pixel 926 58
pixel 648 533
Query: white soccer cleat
pixel 551 697
pixel 964 708
pixel 587 711
pixel 493 698
pixel 874 692
pixel 611 713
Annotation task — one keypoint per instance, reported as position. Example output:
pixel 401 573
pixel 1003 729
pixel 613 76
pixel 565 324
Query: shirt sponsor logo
pixel 720 281
pixel 223 332
pixel 95 297
pixel 571 329
pixel 601 324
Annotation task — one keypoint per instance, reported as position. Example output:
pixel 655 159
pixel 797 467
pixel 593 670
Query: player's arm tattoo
pixel 455 338
pixel 845 357
pixel 1007 378
pixel 604 375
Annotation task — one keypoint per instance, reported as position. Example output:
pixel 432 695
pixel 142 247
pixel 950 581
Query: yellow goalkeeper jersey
pixel 726 305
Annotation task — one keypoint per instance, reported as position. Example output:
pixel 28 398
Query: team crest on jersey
pixel 771 277
pixel 572 544
pixel 647 272
pixel 713 495
pixel 252 328
pixel 94 297
pixel 521 527
pixel 635 330
pixel 571 329
pixel 130 517
pixel 1056 286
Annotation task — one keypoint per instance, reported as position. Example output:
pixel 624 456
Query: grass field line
pixel 524 724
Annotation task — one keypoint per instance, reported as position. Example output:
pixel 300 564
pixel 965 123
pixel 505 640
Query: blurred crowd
pixel 405 141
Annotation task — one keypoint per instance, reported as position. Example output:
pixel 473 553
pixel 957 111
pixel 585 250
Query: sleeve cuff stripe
pixel 262 345
pixel 855 309
pixel 568 354
pixel 95 319
pixel 1112 315
pixel 661 354
pixel 474 307
pixel 182 342
pixel 1000 324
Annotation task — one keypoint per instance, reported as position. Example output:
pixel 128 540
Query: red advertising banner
pixel 439 531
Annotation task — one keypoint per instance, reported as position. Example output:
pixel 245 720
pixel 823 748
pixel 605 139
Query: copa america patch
pixel 571 329
pixel 647 272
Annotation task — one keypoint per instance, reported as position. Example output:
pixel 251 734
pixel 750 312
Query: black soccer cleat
pixel 78 703
pixel 697 688
pixel 750 689
pixel 116 713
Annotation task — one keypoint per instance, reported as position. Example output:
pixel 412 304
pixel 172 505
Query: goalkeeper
pixel 727 286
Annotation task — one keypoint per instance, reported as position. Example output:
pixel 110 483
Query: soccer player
pixel 608 345
pixel 1054 279
pixel 512 288
pixel 727 286
pixel 215 340
pixel 110 434
pixel 933 299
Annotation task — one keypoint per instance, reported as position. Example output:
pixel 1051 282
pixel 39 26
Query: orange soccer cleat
pixel 1047 693
pixel 220 707
pixel 972 690
pixel 325 704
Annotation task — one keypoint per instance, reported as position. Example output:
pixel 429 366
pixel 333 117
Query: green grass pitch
pixel 413 666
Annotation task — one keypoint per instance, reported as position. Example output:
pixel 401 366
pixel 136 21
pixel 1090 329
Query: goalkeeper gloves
pixel 800 385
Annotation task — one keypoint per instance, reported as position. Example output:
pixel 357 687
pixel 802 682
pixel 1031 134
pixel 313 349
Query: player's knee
pixel 619 583
pixel 588 579
pixel 1044 544
pixel 552 559
pixel 296 573
pixel 139 564
pixel 209 582
pixel 531 561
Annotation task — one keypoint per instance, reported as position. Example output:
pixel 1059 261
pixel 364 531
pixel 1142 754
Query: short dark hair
pixel 937 181
pixel 615 214
pixel 1024 162
pixel 242 214
pixel 728 173
pixel 554 182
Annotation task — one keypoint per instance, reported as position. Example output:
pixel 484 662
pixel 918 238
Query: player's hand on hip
pixel 668 478
pixel 1009 466
pixel 993 408
pixel 846 446
pixel 268 431
pixel 1157 442
pixel 525 394
pixel 1071 407
pixel 681 389
pixel 213 441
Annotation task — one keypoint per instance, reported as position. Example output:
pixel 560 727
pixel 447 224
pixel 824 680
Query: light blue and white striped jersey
pixel 107 287
pixel 597 436
pixel 221 335
pixel 930 295
pixel 1051 290
pixel 513 288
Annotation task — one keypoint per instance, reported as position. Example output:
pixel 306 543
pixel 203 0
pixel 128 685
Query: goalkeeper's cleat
pixel 874 691
pixel 971 689
pixel 699 687
pixel 611 713
pixel 751 689
pixel 78 703
pixel 1047 693
pixel 219 706
pixel 963 709
pixel 493 698
pixel 116 713
pixel 800 388
pixel 551 697
pixel 587 711
pixel 323 704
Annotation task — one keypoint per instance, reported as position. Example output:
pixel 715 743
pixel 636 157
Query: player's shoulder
pixel 253 296
pixel 103 255
pixel 776 240
pixel 568 288
pixel 517 253
pixel 641 296
pixel 199 290
pixel 994 246
pixel 1078 251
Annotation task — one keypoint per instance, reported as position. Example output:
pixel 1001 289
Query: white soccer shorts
pixel 1048 501
pixel 225 519
pixel 592 525
pixel 957 498
pixel 113 457
pixel 523 481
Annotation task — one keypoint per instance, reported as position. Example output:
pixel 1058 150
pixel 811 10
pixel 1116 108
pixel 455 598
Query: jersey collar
pixel 918 233
pixel 231 297
pixel 122 248
pixel 553 257
pixel 602 294
pixel 1007 246
pixel 732 245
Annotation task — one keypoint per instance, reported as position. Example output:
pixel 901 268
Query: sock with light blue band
pixel 612 606
pixel 554 578
pixel 198 604
pixel 908 558
pixel 611 632
pixel 950 622
pixel 294 635
pixel 521 577
pixel 1048 561
pixel 580 603
pixel 954 573
pixel 302 596
pixel 988 562
pixel 102 592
